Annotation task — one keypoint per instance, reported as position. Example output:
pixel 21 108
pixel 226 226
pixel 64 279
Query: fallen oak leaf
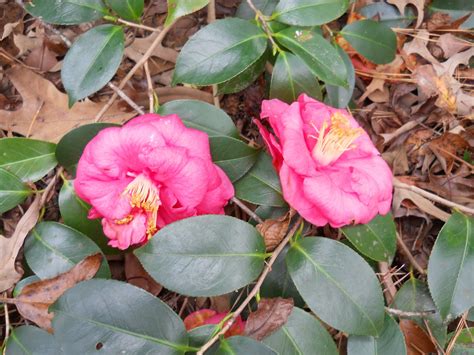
pixel 419 4
pixel 451 44
pixel 44 106
pixel 35 298
pixel 271 314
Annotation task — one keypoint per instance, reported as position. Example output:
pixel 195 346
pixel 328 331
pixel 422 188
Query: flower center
pixel 334 139
pixel 144 195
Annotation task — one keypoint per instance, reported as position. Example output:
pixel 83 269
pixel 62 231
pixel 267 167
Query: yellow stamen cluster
pixel 334 139
pixel 144 195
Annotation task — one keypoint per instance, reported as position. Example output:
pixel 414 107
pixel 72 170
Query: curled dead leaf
pixel 271 314
pixel 274 230
pixel 35 298
pixel 431 84
pixel 446 148
pixel 416 340
pixel 136 275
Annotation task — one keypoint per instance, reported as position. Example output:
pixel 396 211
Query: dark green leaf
pixel 233 156
pixel 464 5
pixel 128 9
pixel 178 8
pixel 278 283
pixel 309 12
pixel 320 57
pixel 200 335
pixel 376 239
pixel 239 345
pixel 450 267
pixel 202 116
pixel 92 61
pixel 464 344
pixel 74 213
pixel 291 77
pixel 29 159
pixel 71 146
pixel 67 12
pixel 302 334
pixel 52 248
pixel 116 318
pixel 266 212
pixel 12 191
pixel 261 184
pixel 374 40
pixel 414 296
pixel 337 284
pixel 204 256
pixel 388 14
pixel 30 340
pixel 390 341
pixel 266 7
pixel 339 96
pixel 219 52
pixel 244 79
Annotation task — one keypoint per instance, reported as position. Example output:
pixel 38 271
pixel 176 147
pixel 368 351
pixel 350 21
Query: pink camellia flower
pixel 209 316
pixel 329 169
pixel 147 174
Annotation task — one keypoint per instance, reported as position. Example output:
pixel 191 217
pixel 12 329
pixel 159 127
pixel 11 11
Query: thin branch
pixel 211 17
pixel 129 75
pixel 136 25
pixel 459 328
pixel 125 98
pixel 255 289
pixel 265 27
pixel 386 276
pixel 151 101
pixel 431 196
pixel 407 314
pixel 7 323
pixel 408 254
pixel 246 209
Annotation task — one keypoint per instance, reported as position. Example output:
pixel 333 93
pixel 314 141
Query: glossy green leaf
pixel 374 40
pixel 414 296
pixel 337 284
pixel 390 341
pixel 388 14
pixel 116 318
pixel 460 5
pixel 376 239
pixel 71 146
pixel 29 159
pixel 74 213
pixel 450 267
pixel 200 256
pixel 244 79
pixel 266 212
pixel 12 191
pixel 52 248
pixel 128 9
pixel 309 12
pixel 339 96
pixel 92 61
pixel 320 57
pixel 233 156
pixel 291 77
pixel 219 52
pixel 30 340
pixel 200 335
pixel 239 345
pixel 278 282
pixel 464 344
pixel 302 334
pixel 266 7
pixel 179 8
pixel 201 115
pixel 261 184
pixel 67 12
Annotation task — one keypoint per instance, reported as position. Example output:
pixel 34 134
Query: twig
pixel 407 314
pixel 386 277
pixel 126 99
pixel 136 25
pixel 246 209
pixel 129 75
pixel 255 289
pixel 211 17
pixel 7 323
pixel 265 27
pixel 433 197
pixel 459 328
pixel 33 120
pixel 408 254
pixel 150 88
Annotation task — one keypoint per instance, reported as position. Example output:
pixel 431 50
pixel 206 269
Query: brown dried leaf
pixel 41 58
pixel 446 148
pixel 136 275
pixel 416 340
pixel 35 298
pixel 438 20
pixel 9 247
pixel 271 314
pixel 274 230
pixel 451 44
pixel 40 94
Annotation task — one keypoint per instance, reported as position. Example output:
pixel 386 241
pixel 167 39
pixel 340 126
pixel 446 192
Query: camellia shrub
pixel 164 188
